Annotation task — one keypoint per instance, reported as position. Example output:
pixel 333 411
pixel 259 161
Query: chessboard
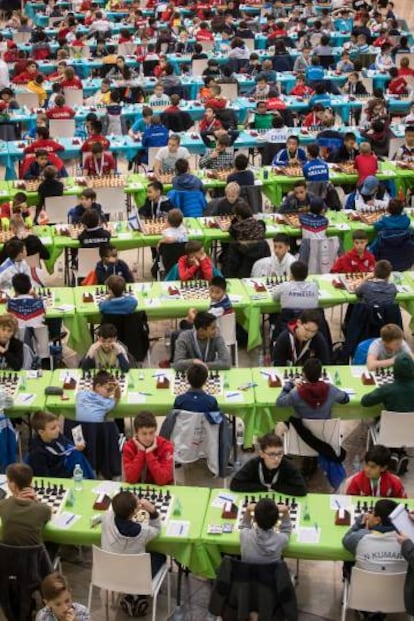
pixel 347 168
pixel 219 222
pixel 9 382
pixel 53 495
pixel 379 377
pixel 83 380
pixel 213 385
pixel 351 281
pixel 30 185
pixel 370 217
pixel 291 503
pixel 5 236
pixel 161 499
pixel 166 177
pixel 107 181
pixel 290 375
pixel 190 290
pixel 153 226
pixel 47 295
pixel 69 230
pixel 101 293
pixel 269 284
pixel 290 171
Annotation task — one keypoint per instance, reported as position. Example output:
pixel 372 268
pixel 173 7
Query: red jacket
pixel 405 71
pixel 75 83
pixel 300 90
pixel 204 35
pixel 159 463
pixel 92 169
pixel 389 486
pixel 87 145
pixel 211 126
pixel 366 166
pixel 51 146
pixel 204 271
pixel 398 86
pixel 215 103
pixel 351 262
pixel 25 76
pixel 60 112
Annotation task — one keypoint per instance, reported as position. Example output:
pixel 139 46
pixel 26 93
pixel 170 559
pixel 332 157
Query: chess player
pixel 358 259
pixel 383 350
pixel 202 345
pixel 279 263
pixel 269 471
pixel 92 406
pixel 301 340
pixel 146 457
pixel 375 479
pixel 397 396
pixel 260 542
pixel 106 352
pixel 167 157
pixel 98 163
pixel 196 399
pixel 117 301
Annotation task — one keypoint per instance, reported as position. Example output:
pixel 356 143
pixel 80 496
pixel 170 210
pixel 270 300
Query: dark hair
pixel 124 504
pixel 89 193
pixel 107 331
pixel 145 419
pixel 19 198
pixel 41 153
pixel 350 136
pixel 300 184
pixel 101 378
pixel 96 126
pixel 50 172
pixel 393 71
pixel 97 147
pixel 310 315
pixel 106 249
pixel 224 140
pixel 382 269
pixel 281 238
pixel 193 246
pixel 20 474
pixel 243 210
pixel 21 283
pixel 266 513
pixel 359 234
pixel 378 125
pixel 312 369
pixel 42 132
pixel 395 206
pixel 116 284
pixel 270 439
pixel 197 375
pixel 40 419
pixel 203 320
pixel 218 281
pixel 13 248
pixel 379 455
pixel 181 166
pixel 299 270
pixel 313 149
pixel 409 128
pixel 156 185
pixel 317 206
pixel 292 137
pixel 90 219
pixel 53 586
pixel 383 508
pixel 241 161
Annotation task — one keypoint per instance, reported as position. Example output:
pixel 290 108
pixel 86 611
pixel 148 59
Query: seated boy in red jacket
pixel 146 457
pixel 398 84
pixel 195 264
pixel 374 479
pixel 358 259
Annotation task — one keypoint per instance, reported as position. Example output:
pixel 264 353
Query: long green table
pixel 323 536
pixel 29 390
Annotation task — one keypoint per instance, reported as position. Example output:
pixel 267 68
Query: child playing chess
pixel 397 396
pixel 22 516
pixel 146 457
pixel 107 352
pixel 58 601
pixel 92 406
pixel 176 232
pixel 376 290
pixel 111 265
pixel 18 206
pixel 14 264
pixel 311 397
pixel 51 454
pixel 279 263
pixel 220 303
pixel 121 534
pixel 314 223
pixel 33 243
pixel 196 399
pixel 87 201
pixel 270 471
pixel 297 293
pixel 358 259
pixel 156 204
pixel 98 163
pixel 394 220
pixel 117 302
pixel 375 478
pixel 11 348
pixel 195 264
pixel 264 544
pixel 94 233
pixel 383 350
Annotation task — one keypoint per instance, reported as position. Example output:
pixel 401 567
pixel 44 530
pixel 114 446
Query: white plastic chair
pixel 368 83
pixel 227 325
pixel 229 91
pixel 198 65
pixel 152 152
pixel 73 96
pixel 126 49
pixel 386 597
pixel 112 201
pixel 31 100
pixel 57 208
pixel 21 37
pixel 87 260
pixel 327 430
pixel 249 43
pixel 395 144
pixel 404 55
pixel 127 573
pixel 395 429
pixel 62 128
pixel 33 260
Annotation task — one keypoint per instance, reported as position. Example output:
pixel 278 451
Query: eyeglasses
pixel 274 455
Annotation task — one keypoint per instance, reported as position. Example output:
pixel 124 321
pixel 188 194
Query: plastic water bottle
pixel 77 478
pixel 356 464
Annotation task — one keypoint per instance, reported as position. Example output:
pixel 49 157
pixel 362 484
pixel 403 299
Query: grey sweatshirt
pixel 297 294
pixel 113 541
pixel 289 397
pixel 214 351
pixel 263 546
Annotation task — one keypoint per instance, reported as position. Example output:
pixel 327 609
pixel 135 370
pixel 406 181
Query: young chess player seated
pixel 358 259
pixel 270 471
pixel 383 350
pixel 93 405
pixel 195 263
pixel 117 302
pixel 98 163
pixel 146 457
pixel 11 348
pixel 300 341
pixel 375 479
pixel 202 345
pixel 106 352
pixel 87 200
pixel 196 399
pixel 111 265
pixel 279 263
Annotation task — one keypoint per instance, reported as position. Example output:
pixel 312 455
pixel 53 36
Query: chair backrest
pixel 367 59
pixel 31 100
pixel 327 61
pixel 229 91
pixel 80 52
pixel 122 573
pixel 227 325
pixel 62 128
pixel 404 55
pixel 152 152
pixel 73 96
pixel 368 83
pixel 327 430
pixel 361 352
pixel 388 595
pixel 57 208
pixel 195 438
pixel 249 43
pixel 148 67
pixel 396 429
pixel 112 201
pixel 397 247
pixel 198 65
pixel 127 48
pixel 87 260
pixel 21 37
pixel 208 46
pixel 394 145
pixel 170 253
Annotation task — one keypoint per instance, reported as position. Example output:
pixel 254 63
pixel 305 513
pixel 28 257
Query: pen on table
pixel 69 520
pixel 265 373
pixel 338 504
pixel 232 394
pixel 181 529
pixel 28 397
pixel 145 394
pixel 316 527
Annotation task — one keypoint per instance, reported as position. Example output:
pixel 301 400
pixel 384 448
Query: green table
pixel 29 395
pixel 320 522
pixel 185 548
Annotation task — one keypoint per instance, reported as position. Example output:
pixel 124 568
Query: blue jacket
pixel 124 305
pixel 196 401
pixel 323 99
pixel 120 268
pixel 91 407
pixel 315 73
pixel 316 170
pixel 155 136
pixel 47 459
pixel 75 214
pixel 191 203
pixel 282 158
pixel 393 223
pixel 187 182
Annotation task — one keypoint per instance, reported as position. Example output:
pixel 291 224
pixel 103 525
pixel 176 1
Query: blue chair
pixel 191 203
pixel 361 352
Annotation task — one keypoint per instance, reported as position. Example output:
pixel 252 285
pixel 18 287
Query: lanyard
pixel 157 208
pixel 375 489
pixel 295 356
pixel 198 350
pixel 99 169
pixel 262 480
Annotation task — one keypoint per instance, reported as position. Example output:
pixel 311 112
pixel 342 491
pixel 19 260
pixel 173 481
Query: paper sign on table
pixel 65 519
pixel 136 397
pixel 177 528
pixel 107 487
pixel 24 398
pixel 308 534
pixel 340 501
pixel 219 501
pixel 234 397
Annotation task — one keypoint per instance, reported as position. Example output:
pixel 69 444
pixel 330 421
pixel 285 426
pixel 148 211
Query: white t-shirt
pixel 168 158
pixel 271 266
pixel 378 350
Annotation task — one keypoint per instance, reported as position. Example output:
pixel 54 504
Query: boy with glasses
pixel 271 471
